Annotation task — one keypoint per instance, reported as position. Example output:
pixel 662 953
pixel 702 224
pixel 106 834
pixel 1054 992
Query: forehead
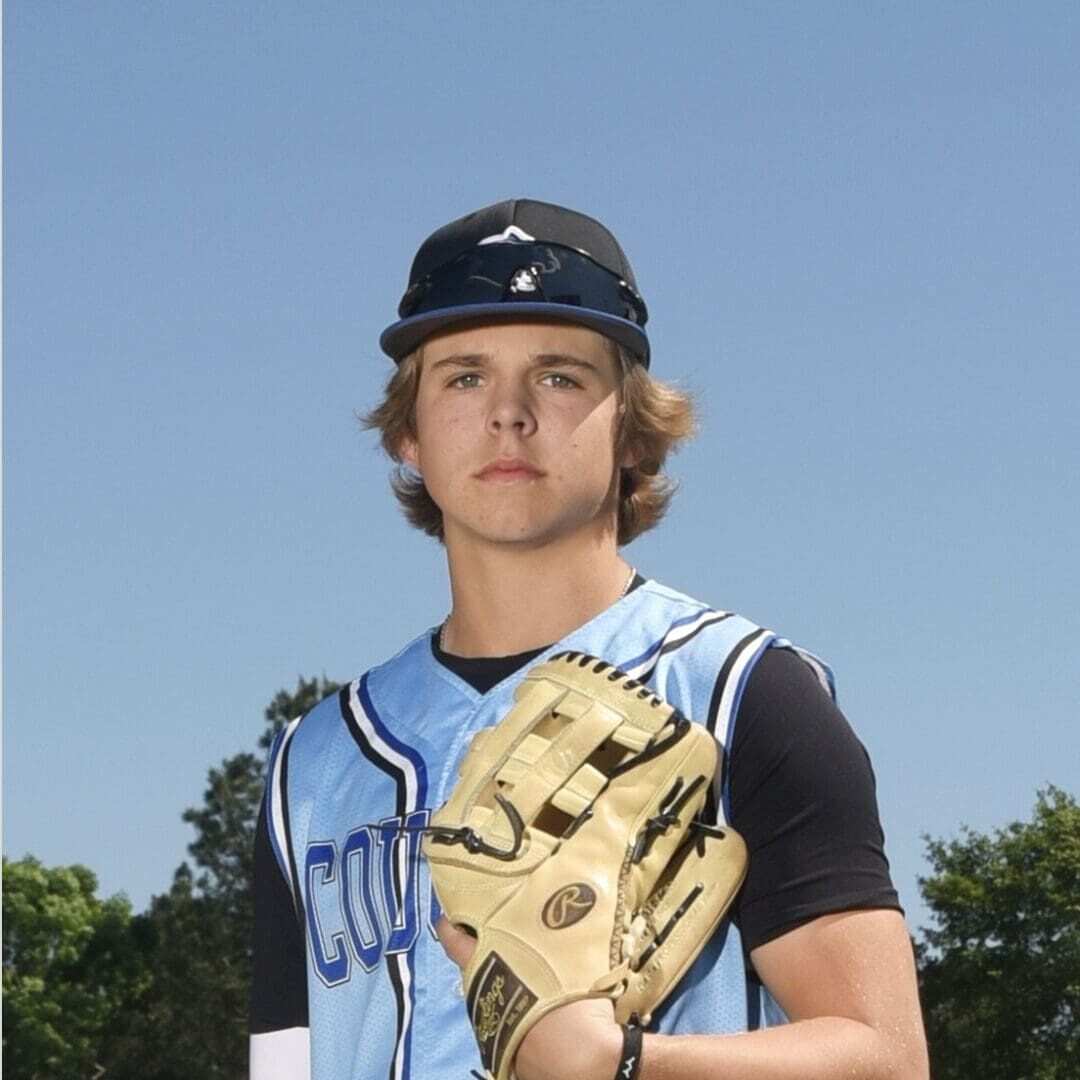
pixel 522 340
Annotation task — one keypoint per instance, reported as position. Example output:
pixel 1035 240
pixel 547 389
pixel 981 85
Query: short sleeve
pixel 279 978
pixel 802 795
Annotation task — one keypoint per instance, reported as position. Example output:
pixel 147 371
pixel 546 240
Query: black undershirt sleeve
pixel 802 795
pixel 279 978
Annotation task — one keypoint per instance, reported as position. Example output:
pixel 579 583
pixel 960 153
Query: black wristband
pixel 630 1062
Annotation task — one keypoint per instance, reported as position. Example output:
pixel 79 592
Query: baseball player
pixel 531 439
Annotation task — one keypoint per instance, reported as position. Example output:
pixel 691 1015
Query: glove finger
pixel 687 904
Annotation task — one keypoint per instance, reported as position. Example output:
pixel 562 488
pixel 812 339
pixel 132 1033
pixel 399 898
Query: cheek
pixel 444 451
pixel 595 436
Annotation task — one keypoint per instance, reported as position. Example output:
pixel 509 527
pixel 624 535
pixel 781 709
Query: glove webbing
pixel 580 797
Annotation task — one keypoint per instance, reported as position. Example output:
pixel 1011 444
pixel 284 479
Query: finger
pixel 459 944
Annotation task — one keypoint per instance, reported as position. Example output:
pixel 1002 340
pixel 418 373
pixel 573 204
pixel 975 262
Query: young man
pixel 532 441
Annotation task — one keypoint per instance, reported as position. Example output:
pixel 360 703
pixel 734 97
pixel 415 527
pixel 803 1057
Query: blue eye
pixel 560 381
pixel 466 381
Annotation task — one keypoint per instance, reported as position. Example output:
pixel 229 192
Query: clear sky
pixel 857 227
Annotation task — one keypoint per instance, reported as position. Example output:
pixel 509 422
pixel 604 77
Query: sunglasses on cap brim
pixel 524 273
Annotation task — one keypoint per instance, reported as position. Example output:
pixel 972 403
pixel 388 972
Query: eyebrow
pixel 540 360
pixel 460 360
pixel 562 360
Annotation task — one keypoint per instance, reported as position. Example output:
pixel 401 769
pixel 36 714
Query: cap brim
pixel 400 339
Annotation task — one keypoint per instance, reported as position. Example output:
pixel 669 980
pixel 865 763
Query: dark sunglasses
pixel 524 272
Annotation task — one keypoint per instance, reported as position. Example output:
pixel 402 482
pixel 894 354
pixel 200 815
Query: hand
pixel 458 944
pixel 578 1041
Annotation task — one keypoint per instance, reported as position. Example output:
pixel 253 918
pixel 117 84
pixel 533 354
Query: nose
pixel 511 409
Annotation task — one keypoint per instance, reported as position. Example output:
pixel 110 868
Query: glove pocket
pixel 686 905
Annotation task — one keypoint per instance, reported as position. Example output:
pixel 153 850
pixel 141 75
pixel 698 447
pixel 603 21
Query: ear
pixel 632 452
pixel 409 452
pixel 631 456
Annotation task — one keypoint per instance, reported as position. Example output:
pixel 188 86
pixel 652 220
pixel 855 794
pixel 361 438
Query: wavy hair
pixel 655 419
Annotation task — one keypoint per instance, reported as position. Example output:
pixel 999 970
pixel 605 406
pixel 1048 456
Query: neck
pixel 508 601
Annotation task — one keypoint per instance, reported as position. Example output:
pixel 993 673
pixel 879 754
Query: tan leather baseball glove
pixel 570 848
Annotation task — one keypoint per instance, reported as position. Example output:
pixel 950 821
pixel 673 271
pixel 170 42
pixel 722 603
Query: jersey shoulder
pixel 682 608
pixel 661 597
pixel 410 675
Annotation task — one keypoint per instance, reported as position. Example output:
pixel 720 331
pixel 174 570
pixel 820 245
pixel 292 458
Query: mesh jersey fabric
pixel 384 1001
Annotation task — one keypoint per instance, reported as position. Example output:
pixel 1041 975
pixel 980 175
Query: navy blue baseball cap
pixel 520 259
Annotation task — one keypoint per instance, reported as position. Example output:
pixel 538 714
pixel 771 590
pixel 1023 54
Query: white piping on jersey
pixel 817 665
pixel 385 750
pixel 401 963
pixel 278 830
pixel 642 668
pixel 723 719
pixel 402 762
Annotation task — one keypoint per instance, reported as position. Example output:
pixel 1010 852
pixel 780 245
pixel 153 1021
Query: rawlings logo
pixel 569 905
pixel 498 1001
pixel 490 1000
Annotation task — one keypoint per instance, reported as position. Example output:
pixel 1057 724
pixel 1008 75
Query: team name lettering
pixel 362 897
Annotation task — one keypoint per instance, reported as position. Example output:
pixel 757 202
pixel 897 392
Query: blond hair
pixel 655 419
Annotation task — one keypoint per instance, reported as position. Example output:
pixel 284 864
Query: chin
pixel 535 533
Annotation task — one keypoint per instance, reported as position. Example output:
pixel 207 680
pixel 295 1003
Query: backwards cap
pixel 520 259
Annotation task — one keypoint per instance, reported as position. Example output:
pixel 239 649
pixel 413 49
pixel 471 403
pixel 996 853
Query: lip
pixel 508 471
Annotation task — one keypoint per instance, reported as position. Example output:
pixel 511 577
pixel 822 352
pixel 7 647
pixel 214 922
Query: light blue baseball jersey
pixel 349 780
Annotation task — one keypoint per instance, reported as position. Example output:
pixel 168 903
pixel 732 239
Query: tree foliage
pixel 92 992
pixel 72 963
pixel 193 1020
pixel 1000 970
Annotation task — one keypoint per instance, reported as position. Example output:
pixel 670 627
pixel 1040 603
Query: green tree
pixel 71 967
pixel 193 1021
pixel 225 823
pixel 1000 970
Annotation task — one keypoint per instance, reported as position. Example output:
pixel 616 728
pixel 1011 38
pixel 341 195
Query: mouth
pixel 509 471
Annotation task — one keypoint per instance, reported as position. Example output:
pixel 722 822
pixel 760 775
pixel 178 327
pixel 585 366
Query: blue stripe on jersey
pixel 269 798
pixel 726 694
pixel 365 769
pixel 406 767
pixel 399 748
pixel 645 661
pixel 744 664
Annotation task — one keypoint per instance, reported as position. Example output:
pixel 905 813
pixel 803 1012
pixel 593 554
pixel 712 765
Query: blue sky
pixel 856 227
